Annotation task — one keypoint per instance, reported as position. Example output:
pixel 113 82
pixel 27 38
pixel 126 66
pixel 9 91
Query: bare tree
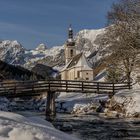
pixel 122 37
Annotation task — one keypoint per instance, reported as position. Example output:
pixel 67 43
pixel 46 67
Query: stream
pixel 94 127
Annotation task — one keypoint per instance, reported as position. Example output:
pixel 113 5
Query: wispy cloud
pixel 11 27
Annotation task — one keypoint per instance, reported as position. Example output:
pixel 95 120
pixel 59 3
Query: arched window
pixel 71 53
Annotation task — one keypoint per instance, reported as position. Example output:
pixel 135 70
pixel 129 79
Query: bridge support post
pixel 50 106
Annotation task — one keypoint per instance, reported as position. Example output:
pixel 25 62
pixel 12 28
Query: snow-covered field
pixel 17 127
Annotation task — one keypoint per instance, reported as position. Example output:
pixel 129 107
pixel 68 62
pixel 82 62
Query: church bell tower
pixel 70 50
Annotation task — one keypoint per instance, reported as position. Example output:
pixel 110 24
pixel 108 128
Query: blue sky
pixel 32 22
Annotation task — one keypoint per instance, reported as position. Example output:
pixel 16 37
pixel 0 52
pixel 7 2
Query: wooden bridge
pixel 35 88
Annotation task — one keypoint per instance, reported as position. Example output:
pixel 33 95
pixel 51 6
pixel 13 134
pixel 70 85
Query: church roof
pixel 75 60
pixel 78 61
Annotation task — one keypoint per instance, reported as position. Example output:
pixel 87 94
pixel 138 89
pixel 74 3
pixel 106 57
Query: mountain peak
pixel 41 47
pixel 11 51
pixel 90 34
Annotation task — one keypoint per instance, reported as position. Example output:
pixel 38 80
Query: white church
pixel 77 67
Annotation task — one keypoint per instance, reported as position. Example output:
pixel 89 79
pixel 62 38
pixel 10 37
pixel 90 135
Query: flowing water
pixel 93 127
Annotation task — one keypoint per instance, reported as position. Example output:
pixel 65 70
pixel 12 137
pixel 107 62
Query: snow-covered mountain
pixel 41 48
pixel 51 57
pixel 86 40
pixel 12 51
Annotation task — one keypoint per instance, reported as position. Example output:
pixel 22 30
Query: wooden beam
pixel 50 106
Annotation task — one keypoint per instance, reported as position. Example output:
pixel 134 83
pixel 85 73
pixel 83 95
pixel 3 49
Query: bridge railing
pixel 35 87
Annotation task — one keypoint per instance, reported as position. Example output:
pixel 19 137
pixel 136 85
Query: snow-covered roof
pixel 79 61
pixel 65 67
pixel 75 60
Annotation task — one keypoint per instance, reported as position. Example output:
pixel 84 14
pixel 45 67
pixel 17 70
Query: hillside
pixel 10 72
pixel 45 71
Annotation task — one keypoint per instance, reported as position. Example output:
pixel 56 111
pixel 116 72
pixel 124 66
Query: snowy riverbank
pixel 73 101
pixel 18 127
pixel 125 103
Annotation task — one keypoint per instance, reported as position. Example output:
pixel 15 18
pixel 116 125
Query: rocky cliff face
pixel 12 52
pixel 50 57
pixel 86 40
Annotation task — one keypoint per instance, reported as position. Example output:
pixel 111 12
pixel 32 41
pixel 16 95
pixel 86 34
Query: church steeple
pixel 70 50
pixel 70 33
pixel 70 40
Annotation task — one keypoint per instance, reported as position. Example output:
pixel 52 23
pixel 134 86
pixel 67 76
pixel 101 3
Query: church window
pixel 78 74
pixel 71 53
